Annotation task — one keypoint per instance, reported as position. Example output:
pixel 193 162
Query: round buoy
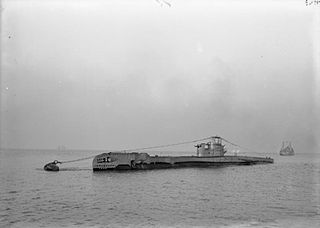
pixel 52 166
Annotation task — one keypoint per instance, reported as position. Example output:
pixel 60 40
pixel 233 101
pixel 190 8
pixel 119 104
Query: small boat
pixel 52 166
pixel 286 149
pixel 208 154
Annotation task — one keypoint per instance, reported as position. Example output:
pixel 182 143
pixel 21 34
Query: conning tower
pixel 211 149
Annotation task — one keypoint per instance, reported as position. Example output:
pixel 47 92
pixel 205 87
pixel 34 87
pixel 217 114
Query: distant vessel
pixel 61 148
pixel 208 154
pixel 286 149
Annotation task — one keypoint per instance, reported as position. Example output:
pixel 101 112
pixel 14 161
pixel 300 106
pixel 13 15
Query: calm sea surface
pixel 283 194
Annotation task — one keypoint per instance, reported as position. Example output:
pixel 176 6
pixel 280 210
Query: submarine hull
pixel 142 161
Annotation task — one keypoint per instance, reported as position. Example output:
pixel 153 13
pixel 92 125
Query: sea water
pixel 283 194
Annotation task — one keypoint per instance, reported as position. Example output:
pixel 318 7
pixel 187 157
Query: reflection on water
pixel 283 194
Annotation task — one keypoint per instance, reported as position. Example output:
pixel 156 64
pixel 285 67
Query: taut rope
pixel 159 146
pixel 80 159
pixel 167 145
pixel 246 148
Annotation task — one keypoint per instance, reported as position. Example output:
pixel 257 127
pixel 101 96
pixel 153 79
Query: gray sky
pixel 123 74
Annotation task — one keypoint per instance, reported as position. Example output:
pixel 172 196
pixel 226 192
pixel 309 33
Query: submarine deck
pixel 160 162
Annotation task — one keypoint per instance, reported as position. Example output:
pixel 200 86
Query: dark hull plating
pixel 163 165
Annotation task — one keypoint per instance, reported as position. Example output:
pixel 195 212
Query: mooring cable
pixel 75 160
pixel 167 145
pixel 159 146
pixel 234 144
pixel 139 149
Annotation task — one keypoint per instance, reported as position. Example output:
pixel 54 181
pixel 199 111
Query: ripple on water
pixel 251 196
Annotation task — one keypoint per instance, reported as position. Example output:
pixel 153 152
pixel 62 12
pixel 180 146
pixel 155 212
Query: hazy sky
pixel 123 74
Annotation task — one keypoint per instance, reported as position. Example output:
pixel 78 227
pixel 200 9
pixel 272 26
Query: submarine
pixel 210 153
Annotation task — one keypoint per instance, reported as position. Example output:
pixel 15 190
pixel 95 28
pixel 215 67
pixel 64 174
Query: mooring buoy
pixel 52 166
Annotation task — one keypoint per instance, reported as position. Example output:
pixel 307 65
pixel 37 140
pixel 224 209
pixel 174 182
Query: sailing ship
pixel 286 149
